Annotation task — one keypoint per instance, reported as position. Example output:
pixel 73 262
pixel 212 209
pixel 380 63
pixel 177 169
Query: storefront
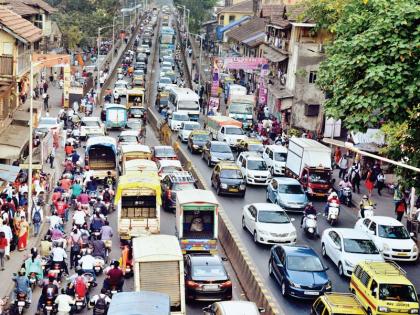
pixel 14 144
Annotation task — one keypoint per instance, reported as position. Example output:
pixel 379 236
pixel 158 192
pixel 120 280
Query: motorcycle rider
pixel 343 184
pixel 309 209
pixel 109 180
pixel 75 241
pixel 98 248
pixel 49 289
pixel 59 256
pixel 83 198
pixel 22 285
pixel 100 303
pixel 99 206
pixel 91 185
pixel 364 203
pixel 34 265
pixel 332 198
pixel 115 277
pixel 64 303
pixel 106 235
pixel 87 262
pixel 97 220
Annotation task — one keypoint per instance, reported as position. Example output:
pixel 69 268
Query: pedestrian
pixel 343 165
pixel 5 228
pixel 3 245
pixel 337 156
pixel 45 97
pixel 45 85
pixel 401 209
pixel 370 181
pixel 23 231
pixel 51 157
pixel 37 219
pixel 355 177
pixel 380 182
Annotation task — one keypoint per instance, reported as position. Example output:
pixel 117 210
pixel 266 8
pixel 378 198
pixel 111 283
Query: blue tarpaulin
pixel 222 30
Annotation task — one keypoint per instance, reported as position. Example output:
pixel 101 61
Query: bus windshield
pixel 240 108
pixel 192 105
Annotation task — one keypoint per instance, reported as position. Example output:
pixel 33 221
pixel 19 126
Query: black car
pixel 141 57
pixel 197 139
pixel 172 183
pixel 227 179
pixel 140 66
pixel 206 278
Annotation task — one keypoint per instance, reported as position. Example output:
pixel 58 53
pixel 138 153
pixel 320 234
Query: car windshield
pixel 221 148
pixel 201 137
pixel 136 111
pixel 138 72
pixel 234 131
pixel 90 123
pixel 165 80
pixel 180 117
pixel 233 174
pixel 237 108
pixel 304 263
pixel 397 292
pixel 183 186
pixel 290 189
pixel 321 178
pixel 257 147
pixel 47 121
pixel 358 246
pixel 257 165
pixel 394 232
pixel 272 217
pixel 191 126
pixel 165 152
pixel 188 105
pixel 134 124
pixel 170 169
pixel 208 271
pixel 128 138
pixel 280 157
pixel 121 85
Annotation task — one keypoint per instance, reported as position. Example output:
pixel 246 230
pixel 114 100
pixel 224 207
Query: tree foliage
pixel 372 69
pixel 200 11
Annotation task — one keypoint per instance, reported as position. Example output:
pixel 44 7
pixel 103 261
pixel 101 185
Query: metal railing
pixel 23 63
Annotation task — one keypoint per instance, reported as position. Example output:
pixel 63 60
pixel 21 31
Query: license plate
pixel 79 303
pixel 21 303
pixel 210 287
pixel 402 254
pixel 311 293
pixel 125 237
pixel 233 190
pixel 48 308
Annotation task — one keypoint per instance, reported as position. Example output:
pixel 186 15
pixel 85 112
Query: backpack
pixel 100 305
pixel 37 217
pixel 96 224
pixel 80 286
pixel 371 176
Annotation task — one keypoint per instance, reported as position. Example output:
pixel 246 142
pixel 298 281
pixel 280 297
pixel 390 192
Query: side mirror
pixel 292 219
pixel 371 232
pixel 412 234
pixel 326 268
pixel 261 310
pixel 280 265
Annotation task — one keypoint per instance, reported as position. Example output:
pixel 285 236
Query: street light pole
pixel 97 63
pixel 31 126
pixel 199 58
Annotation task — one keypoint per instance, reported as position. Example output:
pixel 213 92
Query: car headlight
pixel 223 186
pixel 242 187
pixel 349 263
pixel 195 146
pixel 413 311
pixel 328 285
pixel 415 248
pixel 386 248
pixel 295 285
pixel 250 175
pixel 383 309
pixel 262 232
pixel 293 234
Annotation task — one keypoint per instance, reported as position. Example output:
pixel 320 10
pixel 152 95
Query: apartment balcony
pixel 23 63
pixel 6 66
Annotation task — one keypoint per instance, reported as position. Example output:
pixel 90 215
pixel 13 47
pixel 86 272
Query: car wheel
pixel 340 269
pixel 272 171
pixel 283 289
pixel 324 251
pixel 243 223
pixel 369 311
pixel 255 237
pixel 270 268
pixel 218 191
pixel 209 162
pixel 267 196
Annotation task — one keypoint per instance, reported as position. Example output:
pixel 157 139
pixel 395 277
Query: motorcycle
pixel 346 196
pixel 96 234
pixel 20 303
pixel 310 226
pixel 56 271
pixel 4 310
pixel 89 280
pixel 369 212
pixel 33 280
pixel 80 303
pixel 109 207
pixel 49 307
pixel 99 265
pixel 333 211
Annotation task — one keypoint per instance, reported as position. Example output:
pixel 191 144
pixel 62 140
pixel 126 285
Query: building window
pixel 222 19
pixel 231 18
pixel 312 76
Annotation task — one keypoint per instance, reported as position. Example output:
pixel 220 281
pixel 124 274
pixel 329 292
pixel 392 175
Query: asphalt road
pixel 260 253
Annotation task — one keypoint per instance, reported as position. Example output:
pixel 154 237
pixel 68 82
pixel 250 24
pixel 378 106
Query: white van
pixel 275 156
pixel 233 308
pixel 185 100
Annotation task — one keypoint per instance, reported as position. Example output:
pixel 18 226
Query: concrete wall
pixel 5 39
pixel 225 20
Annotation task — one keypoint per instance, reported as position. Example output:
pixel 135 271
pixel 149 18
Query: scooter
pixel 33 280
pixel 99 265
pixel 310 226
pixel 369 212
pixel 20 303
pixel 346 196
pixel 80 303
pixel 333 211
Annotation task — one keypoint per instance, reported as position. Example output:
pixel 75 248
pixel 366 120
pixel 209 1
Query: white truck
pixel 310 162
pixel 223 128
pixel 241 107
pixel 159 267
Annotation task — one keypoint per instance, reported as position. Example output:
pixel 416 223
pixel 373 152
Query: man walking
pixel 45 97
pixel 343 164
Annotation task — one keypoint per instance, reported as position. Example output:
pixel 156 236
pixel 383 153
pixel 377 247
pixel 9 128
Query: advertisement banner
pixel 244 63
pixel 214 104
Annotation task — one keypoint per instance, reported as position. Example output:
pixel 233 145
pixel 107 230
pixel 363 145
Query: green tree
pixel 200 11
pixel 372 70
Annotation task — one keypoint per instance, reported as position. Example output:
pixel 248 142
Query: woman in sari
pixel 23 234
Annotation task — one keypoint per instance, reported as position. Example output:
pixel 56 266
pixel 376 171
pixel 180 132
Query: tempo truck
pixel 310 162
pixel 159 267
pixel 223 128
pixel 240 107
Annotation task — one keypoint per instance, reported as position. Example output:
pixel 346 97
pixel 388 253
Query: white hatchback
pixel 268 223
pixel 91 126
pixel 253 168
pixel 347 247
pixel 176 120
pixel 390 236
pixel 186 128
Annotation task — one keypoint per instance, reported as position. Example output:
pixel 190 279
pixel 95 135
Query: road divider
pixel 248 276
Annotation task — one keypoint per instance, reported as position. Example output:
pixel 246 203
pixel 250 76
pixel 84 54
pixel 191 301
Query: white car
pixel 46 124
pixel 163 83
pixel 91 126
pixel 275 156
pixel 253 168
pixel 128 137
pixel 186 128
pixel 177 119
pixel 166 167
pixel 120 88
pixel 268 223
pixel 347 247
pixel 231 135
pixel 390 236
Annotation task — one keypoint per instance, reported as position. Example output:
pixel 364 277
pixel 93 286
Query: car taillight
pixel 169 194
pixel 192 284
pixel 226 284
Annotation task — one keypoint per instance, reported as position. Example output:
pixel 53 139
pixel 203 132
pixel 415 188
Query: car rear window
pixel 208 271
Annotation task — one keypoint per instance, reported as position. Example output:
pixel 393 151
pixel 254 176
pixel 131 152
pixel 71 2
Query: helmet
pixel 333 194
pixel 365 197
pixel 22 272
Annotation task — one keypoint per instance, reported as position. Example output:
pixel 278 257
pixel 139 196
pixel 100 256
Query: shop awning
pixel 231 25
pixel 279 93
pixel 8 173
pixel 272 55
pixel 12 142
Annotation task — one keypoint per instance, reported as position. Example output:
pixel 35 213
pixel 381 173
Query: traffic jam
pixel 119 183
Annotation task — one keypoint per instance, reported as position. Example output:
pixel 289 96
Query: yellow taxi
pixel 228 179
pixel 249 144
pixel 333 303
pixel 197 139
pixel 383 288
